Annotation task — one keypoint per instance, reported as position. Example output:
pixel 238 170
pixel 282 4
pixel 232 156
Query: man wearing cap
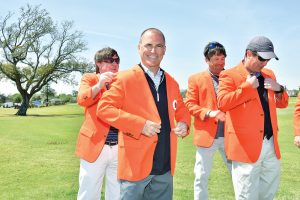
pixel 297 122
pixel 250 94
pixel 201 100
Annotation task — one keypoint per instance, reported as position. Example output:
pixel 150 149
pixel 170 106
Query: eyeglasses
pixel 259 57
pixel 262 59
pixel 149 47
pixel 111 60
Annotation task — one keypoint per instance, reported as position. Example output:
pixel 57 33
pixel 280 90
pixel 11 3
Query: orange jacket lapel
pixel 148 100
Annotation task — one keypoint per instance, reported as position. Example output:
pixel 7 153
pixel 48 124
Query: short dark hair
pixel 103 54
pixel 153 29
pixel 214 48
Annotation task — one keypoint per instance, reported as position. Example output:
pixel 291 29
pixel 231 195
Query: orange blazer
pixel 127 106
pixel 297 117
pixel 93 132
pixel 200 98
pixel 244 128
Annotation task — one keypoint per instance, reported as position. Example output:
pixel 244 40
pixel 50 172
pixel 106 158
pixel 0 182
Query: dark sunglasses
pixel 262 59
pixel 111 60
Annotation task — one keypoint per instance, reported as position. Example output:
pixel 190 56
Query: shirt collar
pixel 150 73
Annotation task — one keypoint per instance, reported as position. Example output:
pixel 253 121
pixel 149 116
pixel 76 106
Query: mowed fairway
pixel 37 158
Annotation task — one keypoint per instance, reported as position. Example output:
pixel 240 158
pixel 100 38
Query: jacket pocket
pixel 142 142
pixel 87 132
pixel 133 143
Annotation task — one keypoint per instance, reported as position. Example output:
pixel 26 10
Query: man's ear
pixel 207 60
pixel 249 53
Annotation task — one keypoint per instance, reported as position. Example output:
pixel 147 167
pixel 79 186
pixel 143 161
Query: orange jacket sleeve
pixel 297 117
pixel 182 113
pixel 84 97
pixel 109 110
pixel 192 99
pixel 230 95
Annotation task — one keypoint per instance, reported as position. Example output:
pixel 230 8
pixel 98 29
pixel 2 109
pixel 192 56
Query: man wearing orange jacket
pixel 201 100
pixel 97 141
pixel 297 122
pixel 250 94
pixel 143 104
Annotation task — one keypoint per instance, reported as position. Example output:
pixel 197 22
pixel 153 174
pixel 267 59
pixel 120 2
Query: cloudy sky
pixel 188 26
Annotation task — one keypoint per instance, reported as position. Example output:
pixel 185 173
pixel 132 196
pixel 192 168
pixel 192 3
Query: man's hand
pixel 105 77
pixel 217 114
pixel 297 141
pixel 253 81
pixel 271 84
pixel 181 129
pixel 151 128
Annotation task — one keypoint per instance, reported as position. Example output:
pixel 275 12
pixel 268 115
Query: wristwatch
pixel 281 90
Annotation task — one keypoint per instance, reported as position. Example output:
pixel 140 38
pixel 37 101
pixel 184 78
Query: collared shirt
pixel 112 134
pixel 162 154
pixel 263 96
pixel 155 78
pixel 220 127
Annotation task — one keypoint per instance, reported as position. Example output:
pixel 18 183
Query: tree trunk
pixel 24 106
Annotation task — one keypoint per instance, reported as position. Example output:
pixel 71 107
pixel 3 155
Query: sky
pixel 187 25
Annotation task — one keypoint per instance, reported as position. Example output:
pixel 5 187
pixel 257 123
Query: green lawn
pixel 37 158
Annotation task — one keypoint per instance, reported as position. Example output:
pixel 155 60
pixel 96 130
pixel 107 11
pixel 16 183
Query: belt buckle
pixel 111 143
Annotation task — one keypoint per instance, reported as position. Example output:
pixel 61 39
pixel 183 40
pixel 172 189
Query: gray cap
pixel 263 46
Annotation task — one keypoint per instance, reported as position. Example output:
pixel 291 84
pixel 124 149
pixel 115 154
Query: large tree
pixel 35 51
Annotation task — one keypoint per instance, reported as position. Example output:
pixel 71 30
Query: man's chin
pixel 152 65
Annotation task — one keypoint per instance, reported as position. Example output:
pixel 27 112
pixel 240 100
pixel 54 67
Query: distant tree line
pixel 63 98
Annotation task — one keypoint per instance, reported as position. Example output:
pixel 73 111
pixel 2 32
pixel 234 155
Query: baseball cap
pixel 263 47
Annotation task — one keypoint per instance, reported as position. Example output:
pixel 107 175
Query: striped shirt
pixel 112 134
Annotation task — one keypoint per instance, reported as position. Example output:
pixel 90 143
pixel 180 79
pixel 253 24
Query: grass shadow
pixel 43 115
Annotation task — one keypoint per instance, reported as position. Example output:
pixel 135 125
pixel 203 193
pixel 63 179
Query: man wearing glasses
pixel 143 103
pixel 97 141
pixel 201 100
pixel 297 122
pixel 250 94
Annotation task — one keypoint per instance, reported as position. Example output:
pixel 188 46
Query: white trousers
pixel 259 180
pixel 91 176
pixel 203 165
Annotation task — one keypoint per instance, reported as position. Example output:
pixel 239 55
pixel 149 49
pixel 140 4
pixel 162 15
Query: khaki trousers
pixel 91 176
pixel 259 180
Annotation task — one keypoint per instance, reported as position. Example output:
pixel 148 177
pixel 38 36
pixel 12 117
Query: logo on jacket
pixel 174 104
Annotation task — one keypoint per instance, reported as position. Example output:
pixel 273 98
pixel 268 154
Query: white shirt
pixel 155 78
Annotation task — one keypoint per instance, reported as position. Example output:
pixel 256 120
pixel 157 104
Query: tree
pixel 34 51
pixel 36 97
pixel 65 98
pixel 2 98
pixel 47 92
pixel 16 98
pixel 182 93
pixel 74 93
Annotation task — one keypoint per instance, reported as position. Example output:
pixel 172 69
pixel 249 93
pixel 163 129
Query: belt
pixel 111 143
